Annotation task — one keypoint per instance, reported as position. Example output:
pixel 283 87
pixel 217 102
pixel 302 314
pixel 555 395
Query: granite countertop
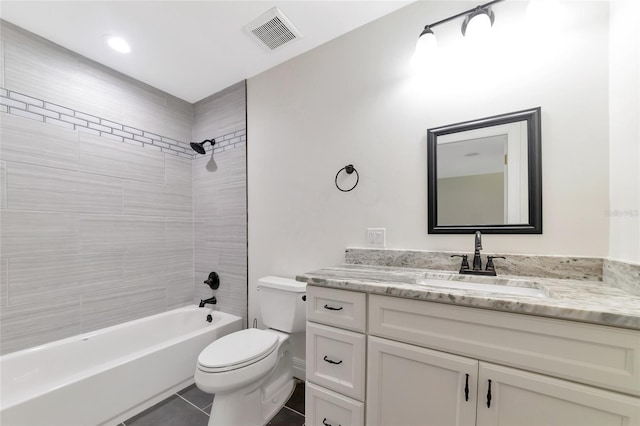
pixel 587 301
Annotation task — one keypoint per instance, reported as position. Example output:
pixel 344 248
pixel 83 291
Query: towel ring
pixel 349 169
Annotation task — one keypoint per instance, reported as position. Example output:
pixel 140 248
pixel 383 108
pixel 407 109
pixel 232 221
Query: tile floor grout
pixel 291 409
pixel 193 405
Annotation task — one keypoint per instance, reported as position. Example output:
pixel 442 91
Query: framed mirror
pixel 485 175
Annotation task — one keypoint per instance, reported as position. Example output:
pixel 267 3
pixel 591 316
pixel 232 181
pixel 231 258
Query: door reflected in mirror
pixel 485 175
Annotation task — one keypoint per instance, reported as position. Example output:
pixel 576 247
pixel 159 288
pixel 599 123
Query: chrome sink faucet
pixel 477 260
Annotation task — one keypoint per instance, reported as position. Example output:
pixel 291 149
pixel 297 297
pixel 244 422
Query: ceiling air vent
pixel 273 29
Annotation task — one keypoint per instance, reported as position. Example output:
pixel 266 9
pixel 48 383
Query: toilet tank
pixel 282 303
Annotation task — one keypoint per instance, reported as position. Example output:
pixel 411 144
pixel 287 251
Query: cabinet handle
pixel 331 308
pixel 489 396
pixel 466 388
pixel 332 362
pixel 324 422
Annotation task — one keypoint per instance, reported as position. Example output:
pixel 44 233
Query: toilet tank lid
pixel 286 284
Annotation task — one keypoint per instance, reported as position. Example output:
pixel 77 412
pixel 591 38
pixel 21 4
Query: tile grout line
pixel 291 409
pixel 192 404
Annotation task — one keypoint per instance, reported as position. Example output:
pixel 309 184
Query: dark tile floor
pixel 191 407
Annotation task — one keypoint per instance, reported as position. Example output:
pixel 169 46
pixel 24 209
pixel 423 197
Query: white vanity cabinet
pixel 411 385
pixel 523 370
pixel 336 353
pixel 439 364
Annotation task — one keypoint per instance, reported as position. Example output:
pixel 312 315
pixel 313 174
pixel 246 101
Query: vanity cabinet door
pixel 528 399
pixel 410 386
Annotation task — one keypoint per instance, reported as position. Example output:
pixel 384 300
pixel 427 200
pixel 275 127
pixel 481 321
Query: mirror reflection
pixel 485 175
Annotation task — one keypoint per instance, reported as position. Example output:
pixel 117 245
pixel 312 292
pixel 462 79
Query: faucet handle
pixel 465 261
pixel 490 266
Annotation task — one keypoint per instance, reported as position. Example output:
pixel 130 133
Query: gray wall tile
pixel 50 277
pixel 36 67
pixel 26 141
pixel 118 233
pixel 24 326
pixel 117 305
pixel 179 233
pixel 177 171
pixel 148 199
pixel 38 233
pixel 178 119
pixel 220 220
pixel 3 185
pixel 4 282
pixel 47 189
pixel 156 263
pixel 105 157
pixel 180 288
pixel 220 113
pixel 143 108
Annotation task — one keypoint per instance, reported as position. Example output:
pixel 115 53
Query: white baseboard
pixel 299 368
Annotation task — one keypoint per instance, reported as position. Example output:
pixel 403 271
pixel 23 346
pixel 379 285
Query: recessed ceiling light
pixel 118 44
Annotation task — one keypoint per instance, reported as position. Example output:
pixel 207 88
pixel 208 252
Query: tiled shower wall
pixel 220 199
pixel 97 195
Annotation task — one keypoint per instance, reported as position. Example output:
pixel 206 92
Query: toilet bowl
pixel 250 372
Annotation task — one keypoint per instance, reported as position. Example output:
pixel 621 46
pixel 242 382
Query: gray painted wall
pixel 97 197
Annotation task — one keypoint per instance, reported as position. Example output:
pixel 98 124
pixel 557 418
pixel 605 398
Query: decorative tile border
pixel 562 267
pixel 21 105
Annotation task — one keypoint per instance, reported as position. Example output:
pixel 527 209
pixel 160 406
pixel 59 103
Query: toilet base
pixel 249 406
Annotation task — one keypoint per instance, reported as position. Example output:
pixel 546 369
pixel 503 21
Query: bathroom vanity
pixel 386 348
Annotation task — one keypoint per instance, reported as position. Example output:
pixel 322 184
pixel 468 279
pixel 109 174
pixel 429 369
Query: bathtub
pixel 106 376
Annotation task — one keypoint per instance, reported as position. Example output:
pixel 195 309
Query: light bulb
pixel 118 44
pixel 478 26
pixel 426 47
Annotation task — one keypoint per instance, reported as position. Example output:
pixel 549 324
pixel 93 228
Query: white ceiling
pixel 190 49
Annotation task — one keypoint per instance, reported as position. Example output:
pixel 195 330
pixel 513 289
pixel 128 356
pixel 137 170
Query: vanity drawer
pixel 336 359
pixel 597 355
pixel 344 309
pixel 324 407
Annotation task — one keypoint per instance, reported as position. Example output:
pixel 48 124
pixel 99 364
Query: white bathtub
pixel 108 375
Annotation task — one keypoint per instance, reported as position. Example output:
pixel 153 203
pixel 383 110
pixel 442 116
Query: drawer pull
pixel 466 389
pixel 489 396
pixel 324 422
pixel 331 308
pixel 331 361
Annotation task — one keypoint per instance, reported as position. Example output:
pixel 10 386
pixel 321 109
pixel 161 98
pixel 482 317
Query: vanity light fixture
pixel 477 20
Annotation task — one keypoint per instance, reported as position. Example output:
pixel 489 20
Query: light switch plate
pixel 376 237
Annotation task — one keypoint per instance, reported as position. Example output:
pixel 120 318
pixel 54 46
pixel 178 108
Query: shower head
pixel 199 147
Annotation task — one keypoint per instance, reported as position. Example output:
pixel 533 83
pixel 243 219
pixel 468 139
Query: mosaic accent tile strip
pixel 563 267
pixel 18 104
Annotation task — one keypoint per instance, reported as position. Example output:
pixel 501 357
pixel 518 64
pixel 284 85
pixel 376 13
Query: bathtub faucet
pixel 210 301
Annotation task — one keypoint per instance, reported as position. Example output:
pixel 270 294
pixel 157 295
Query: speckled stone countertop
pixel 586 301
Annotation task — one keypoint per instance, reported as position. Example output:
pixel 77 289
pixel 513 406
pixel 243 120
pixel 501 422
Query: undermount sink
pixel 489 288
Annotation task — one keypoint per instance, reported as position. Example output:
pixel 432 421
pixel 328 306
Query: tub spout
pixel 210 301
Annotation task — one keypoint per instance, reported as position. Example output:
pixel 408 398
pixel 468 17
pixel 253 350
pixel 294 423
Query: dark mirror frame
pixel 532 116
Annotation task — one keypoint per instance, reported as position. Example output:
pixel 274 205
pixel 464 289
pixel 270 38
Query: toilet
pixel 250 372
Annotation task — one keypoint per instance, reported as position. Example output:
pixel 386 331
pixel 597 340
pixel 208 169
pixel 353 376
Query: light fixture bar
pixel 466 12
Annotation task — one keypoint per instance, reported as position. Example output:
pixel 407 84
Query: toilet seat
pixel 237 350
